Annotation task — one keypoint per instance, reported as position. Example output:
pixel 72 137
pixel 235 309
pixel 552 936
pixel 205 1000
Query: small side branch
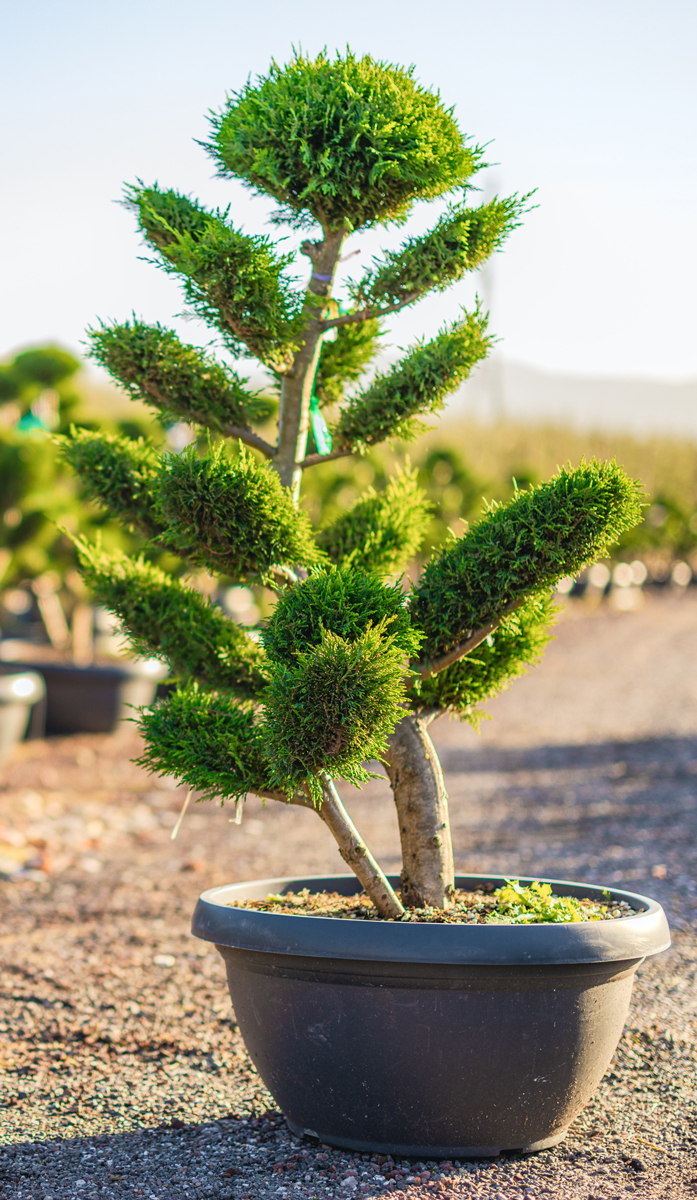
pixel 249 438
pixel 367 313
pixel 298 798
pixel 312 460
pixel 424 670
pixel 356 854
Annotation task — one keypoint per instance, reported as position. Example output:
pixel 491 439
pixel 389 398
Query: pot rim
pixel 217 920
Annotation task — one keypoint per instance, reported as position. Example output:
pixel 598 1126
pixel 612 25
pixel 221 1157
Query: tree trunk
pixel 296 385
pixel 417 782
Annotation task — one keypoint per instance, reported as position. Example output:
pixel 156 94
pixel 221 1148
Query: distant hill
pixel 511 390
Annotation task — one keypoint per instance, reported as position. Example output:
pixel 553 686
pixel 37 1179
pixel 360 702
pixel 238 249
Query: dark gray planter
pixel 93 699
pixel 434 1041
pixel 19 692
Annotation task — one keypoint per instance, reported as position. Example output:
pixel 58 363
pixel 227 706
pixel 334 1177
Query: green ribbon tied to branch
pixel 318 425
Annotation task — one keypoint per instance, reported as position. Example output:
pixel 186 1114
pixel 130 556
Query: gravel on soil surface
pixel 467 908
pixel 123 1073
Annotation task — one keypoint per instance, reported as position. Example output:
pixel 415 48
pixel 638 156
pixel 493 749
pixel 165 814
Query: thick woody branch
pixel 422 811
pixel 356 854
pixel 352 848
pixel 424 670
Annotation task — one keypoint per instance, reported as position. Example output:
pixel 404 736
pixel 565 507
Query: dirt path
pixel 123 1074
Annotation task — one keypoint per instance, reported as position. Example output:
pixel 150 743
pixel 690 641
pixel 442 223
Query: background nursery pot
pixel 18 696
pixel 94 699
pixel 431 1040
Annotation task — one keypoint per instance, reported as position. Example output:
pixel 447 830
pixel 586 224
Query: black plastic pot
pixel 92 699
pixel 435 1041
pixel 19 693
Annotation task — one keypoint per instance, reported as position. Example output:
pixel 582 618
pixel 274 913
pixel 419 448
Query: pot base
pixel 402 1150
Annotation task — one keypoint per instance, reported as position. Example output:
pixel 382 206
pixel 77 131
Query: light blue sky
pixel 593 102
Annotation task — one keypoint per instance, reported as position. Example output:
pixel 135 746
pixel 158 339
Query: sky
pixel 593 104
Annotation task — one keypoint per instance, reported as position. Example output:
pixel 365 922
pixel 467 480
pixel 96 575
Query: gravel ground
pixel 123 1071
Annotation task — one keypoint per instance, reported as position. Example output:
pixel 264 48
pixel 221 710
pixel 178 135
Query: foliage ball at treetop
pixel 351 141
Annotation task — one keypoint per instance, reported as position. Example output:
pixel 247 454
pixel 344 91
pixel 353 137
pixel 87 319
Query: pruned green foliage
pixel 233 281
pixel 341 600
pixel 344 360
pixel 182 382
pixel 383 530
pixel 351 141
pixel 333 709
pixel 419 383
pixel 118 473
pixel 208 741
pixel 231 516
pixel 515 645
pixel 461 241
pixel 164 617
pixel 537 538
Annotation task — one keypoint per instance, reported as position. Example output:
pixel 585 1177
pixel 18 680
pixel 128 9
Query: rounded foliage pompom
pixel 348 142
pixel 341 600
pixel 333 710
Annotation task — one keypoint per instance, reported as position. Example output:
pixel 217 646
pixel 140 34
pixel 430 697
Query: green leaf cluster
pixel 233 281
pixel 419 383
pixel 163 617
pixel 231 516
pixel 182 382
pixel 118 473
pixel 383 530
pixel 520 904
pixel 540 536
pixel 333 709
pixel 344 601
pixel 207 740
pixel 349 142
pixel 515 645
pixel 461 241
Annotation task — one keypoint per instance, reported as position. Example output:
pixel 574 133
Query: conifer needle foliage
pixel 351 141
pixel 419 383
pixel 118 473
pixel 461 241
pixel 344 601
pixel 182 382
pixel 231 515
pixel 164 617
pixel 333 709
pixel 343 656
pixel 543 534
pixel 344 360
pixel 207 740
pixel 383 530
pixel 232 280
pixel 492 666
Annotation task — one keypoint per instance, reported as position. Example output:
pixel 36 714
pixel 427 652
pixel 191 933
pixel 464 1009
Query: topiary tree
pixel 351 666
